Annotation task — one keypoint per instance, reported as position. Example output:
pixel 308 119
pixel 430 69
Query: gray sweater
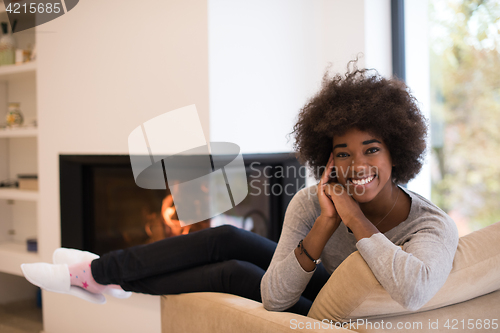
pixel 411 275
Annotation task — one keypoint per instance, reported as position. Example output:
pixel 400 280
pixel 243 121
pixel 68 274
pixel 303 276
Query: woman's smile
pixel 363 182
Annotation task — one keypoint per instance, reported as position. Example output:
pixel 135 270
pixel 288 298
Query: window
pixel 464 40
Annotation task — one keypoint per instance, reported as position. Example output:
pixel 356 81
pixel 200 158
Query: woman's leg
pixel 234 277
pixel 182 253
pixel 223 259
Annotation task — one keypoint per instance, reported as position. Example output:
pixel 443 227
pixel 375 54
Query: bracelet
pixel 303 250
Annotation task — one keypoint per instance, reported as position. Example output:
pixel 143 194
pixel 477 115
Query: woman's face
pixel 363 163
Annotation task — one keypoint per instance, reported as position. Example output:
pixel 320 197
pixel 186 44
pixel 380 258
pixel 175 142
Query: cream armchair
pixel 353 301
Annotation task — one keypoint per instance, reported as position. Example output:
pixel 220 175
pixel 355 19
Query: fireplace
pixel 102 208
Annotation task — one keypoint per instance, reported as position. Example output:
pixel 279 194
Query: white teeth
pixel 362 181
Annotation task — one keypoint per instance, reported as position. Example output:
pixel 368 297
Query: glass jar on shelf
pixel 14 116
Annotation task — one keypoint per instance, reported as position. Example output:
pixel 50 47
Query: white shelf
pixel 8 72
pixel 19 132
pixel 15 194
pixel 12 255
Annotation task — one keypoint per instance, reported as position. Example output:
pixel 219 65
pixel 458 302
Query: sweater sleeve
pixel 285 280
pixel 414 274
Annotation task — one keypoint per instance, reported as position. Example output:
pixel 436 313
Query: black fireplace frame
pixel 76 204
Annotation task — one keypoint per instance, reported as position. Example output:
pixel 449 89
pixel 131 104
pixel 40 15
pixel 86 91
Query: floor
pixel 20 317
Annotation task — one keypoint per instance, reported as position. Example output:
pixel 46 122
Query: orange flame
pixel 168 211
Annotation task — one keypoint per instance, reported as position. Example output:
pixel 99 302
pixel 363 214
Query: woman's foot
pixel 72 256
pixel 81 276
pixel 71 274
pixel 56 278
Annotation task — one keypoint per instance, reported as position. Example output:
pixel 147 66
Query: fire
pixel 168 212
pixel 165 224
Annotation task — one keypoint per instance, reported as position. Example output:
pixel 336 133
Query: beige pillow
pixel 353 291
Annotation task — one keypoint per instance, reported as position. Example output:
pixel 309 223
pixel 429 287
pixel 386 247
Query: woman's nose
pixel 359 167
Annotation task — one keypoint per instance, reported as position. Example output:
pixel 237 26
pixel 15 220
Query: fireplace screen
pixel 127 215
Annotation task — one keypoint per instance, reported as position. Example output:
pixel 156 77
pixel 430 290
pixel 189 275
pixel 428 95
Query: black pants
pixel 222 259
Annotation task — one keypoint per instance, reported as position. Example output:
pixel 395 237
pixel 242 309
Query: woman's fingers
pixel 332 165
pixel 325 178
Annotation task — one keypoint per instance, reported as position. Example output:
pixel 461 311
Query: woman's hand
pixel 347 208
pixel 324 226
pixel 328 209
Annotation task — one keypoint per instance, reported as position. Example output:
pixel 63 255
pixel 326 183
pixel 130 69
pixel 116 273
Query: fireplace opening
pixel 102 208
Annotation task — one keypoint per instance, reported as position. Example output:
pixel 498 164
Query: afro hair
pixel 364 100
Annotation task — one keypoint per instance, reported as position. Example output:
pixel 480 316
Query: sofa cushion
pixel 479 314
pixel 353 291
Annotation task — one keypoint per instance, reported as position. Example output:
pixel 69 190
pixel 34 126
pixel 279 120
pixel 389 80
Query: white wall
pixel 104 68
pixel 418 77
pixel 378 41
pixel 266 58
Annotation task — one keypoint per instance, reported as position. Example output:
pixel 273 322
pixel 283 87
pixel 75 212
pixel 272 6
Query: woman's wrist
pixel 328 223
pixel 315 242
pixel 314 247
pixel 353 220
pixel 361 227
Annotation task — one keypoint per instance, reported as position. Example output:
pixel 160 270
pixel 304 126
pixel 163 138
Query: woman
pixel 361 135
pixel 374 133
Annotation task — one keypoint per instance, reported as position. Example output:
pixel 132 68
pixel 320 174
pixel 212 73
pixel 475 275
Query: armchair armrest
pixel 218 312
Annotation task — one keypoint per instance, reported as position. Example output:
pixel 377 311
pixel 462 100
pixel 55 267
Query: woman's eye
pixel 373 150
pixel 341 155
